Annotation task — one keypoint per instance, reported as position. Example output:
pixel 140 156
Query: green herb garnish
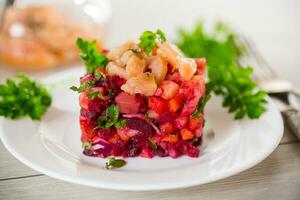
pixel 23 98
pixel 148 40
pixel 86 145
pixel 152 144
pixel 90 55
pixel 83 86
pixel 113 163
pixel 201 104
pixel 111 118
pixel 194 139
pixel 222 51
pixel 95 94
pixel 121 124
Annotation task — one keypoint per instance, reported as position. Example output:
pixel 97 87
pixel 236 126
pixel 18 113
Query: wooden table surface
pixel 275 27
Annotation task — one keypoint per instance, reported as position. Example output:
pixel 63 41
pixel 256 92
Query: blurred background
pixel 274 25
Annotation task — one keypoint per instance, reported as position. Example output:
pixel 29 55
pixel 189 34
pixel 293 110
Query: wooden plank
pixel 278 177
pixel 10 167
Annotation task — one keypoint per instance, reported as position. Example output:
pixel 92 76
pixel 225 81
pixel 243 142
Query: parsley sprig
pixel 23 98
pixel 148 40
pixel 226 78
pixel 83 86
pixel 113 163
pixel 111 118
pixel 95 94
pixel 91 55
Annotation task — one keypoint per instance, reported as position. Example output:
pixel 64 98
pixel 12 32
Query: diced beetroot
pixel 134 145
pixel 87 130
pixel 165 117
pixel 160 152
pixel 88 152
pixel 114 83
pixel 123 133
pixel 101 148
pixel 146 153
pixel 188 149
pixel 158 104
pixel 181 121
pixel 94 105
pixel 103 152
pixel 142 117
pixel 90 116
pixel 97 105
pixel 141 126
pixel 157 138
pixel 86 78
pixel 191 90
pixel 173 150
pixel 167 127
pixel 129 104
pixel 118 148
pixel 104 133
pixel 83 100
pixel 167 89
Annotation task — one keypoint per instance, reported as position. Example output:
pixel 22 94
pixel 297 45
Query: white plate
pixel 53 147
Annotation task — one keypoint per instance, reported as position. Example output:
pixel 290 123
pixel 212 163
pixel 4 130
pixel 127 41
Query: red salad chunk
pixel 143 104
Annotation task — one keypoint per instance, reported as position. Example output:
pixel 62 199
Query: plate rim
pixel 150 187
pixel 146 187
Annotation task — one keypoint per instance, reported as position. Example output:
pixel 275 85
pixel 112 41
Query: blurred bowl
pixel 38 35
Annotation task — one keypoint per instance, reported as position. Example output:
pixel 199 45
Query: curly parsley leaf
pixel 148 40
pixel 83 86
pixel 86 145
pixel 226 77
pixel 90 55
pixel 113 163
pixel 111 118
pixel 121 124
pixel 95 94
pixel 23 98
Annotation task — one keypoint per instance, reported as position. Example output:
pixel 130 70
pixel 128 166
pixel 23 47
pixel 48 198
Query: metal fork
pixel 283 93
pixel 264 75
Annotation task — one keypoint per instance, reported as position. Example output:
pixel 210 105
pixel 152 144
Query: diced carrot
pixel 158 104
pixel 174 105
pixel 122 134
pixel 114 138
pixel 167 127
pixel 101 70
pixel 195 123
pixel 170 138
pixel 186 134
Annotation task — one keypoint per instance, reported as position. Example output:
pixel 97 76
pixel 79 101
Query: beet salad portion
pixel 144 98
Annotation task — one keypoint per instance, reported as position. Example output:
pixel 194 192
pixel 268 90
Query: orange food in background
pixel 40 38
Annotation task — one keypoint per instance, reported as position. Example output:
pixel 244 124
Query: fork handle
pixel 292 118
